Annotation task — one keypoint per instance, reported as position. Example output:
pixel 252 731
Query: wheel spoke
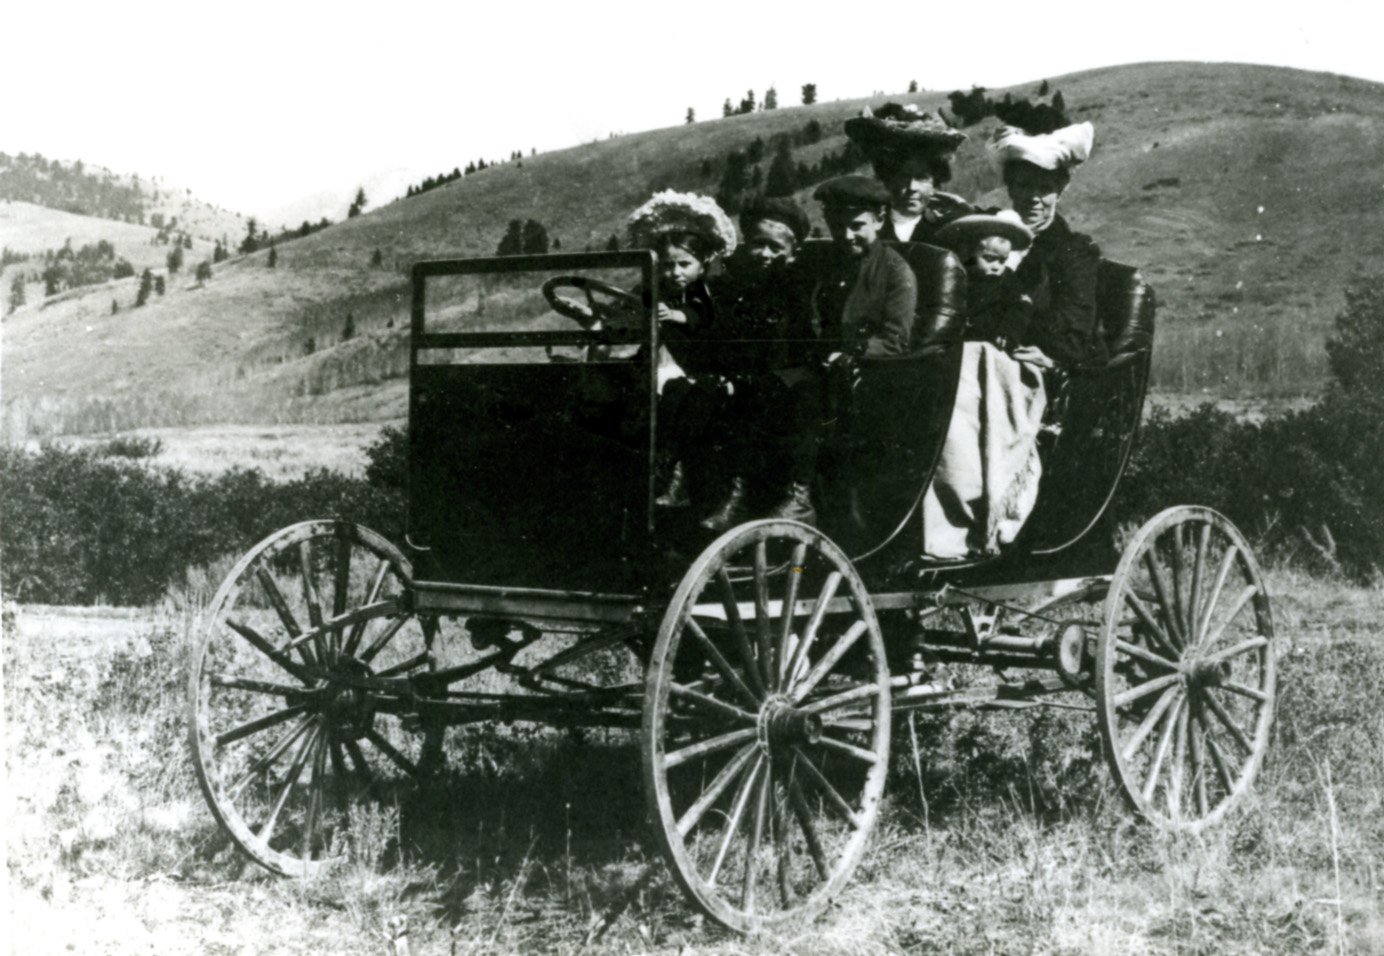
pixel 1161 753
pixel 319 763
pixel 1217 758
pixel 848 750
pixel 1194 599
pixel 388 749
pixel 737 627
pixel 341 583
pixel 1173 792
pixel 714 789
pixel 269 650
pixel 381 642
pixel 749 885
pixel 778 822
pixel 1241 600
pixel 1244 691
pixel 286 618
pixel 814 623
pixel 257 686
pixel 828 704
pixel 310 596
pixel 1160 587
pixel 764 642
pixel 403 667
pixel 1150 622
pixel 358 628
pixel 1213 597
pixel 790 602
pixel 1234 729
pixel 367 777
pixel 1149 722
pixel 260 723
pixel 340 773
pixel 1198 764
pixel 300 759
pixel 803 811
pixel 711 703
pixel 1179 578
pixel 1244 647
pixel 709 746
pixel 838 650
pixel 718 660
pixel 1146 688
pixel 263 763
pixel 1134 650
pixel 742 796
pixel 834 799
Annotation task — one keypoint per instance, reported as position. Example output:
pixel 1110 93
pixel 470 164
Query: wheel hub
pixel 1206 673
pixel 349 706
pixel 781 725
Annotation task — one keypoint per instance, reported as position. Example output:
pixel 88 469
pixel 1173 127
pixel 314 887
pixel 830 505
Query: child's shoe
pixel 796 505
pixel 732 511
pixel 676 494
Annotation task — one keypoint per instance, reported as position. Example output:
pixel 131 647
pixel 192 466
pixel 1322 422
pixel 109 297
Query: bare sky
pixel 256 104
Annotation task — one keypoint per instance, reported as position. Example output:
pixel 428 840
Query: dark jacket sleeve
pixel 891 306
pixel 1062 280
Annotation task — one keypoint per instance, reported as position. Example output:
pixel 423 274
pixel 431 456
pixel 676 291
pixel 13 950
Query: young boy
pixel 865 302
pixel 766 350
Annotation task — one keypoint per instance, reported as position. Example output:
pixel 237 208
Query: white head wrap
pixel 1060 149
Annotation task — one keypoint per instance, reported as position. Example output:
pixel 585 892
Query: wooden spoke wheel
pixel 299 690
pixel 1185 669
pixel 766 725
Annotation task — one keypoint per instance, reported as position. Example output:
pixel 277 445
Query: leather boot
pixel 732 511
pixel 796 505
pixel 676 494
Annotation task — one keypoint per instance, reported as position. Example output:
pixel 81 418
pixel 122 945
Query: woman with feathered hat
pixel 911 152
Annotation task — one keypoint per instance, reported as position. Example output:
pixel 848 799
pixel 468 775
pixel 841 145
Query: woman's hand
pixel 1032 355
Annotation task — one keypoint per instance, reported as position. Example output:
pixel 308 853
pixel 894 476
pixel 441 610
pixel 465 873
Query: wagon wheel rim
pixel 766 736
pixel 1185 676
pixel 291 729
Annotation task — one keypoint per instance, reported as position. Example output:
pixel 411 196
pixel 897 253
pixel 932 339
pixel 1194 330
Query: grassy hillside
pixel 1245 193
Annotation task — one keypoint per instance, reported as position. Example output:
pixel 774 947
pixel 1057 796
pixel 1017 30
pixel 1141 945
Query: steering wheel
pixel 590 314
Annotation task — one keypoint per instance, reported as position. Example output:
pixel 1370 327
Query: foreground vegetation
pixel 1003 835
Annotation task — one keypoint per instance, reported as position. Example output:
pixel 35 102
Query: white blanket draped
pixel 987 480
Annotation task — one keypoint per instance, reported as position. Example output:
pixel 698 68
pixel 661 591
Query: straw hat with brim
pixel 960 233
pixel 900 129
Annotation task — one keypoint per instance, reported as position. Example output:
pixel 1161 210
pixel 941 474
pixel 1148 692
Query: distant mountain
pixel 86 190
pixel 1248 195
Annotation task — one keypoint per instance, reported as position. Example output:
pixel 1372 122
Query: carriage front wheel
pixel 300 692
pixel 766 725
pixel 1185 669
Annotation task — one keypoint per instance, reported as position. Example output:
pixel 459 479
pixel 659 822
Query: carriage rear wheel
pixel 299 692
pixel 766 725
pixel 1185 669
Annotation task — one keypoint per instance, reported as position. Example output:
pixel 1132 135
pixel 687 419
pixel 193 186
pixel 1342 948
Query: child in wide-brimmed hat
pixel 997 310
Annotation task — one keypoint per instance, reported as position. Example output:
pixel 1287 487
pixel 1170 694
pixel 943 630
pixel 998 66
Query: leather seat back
pixel 1125 306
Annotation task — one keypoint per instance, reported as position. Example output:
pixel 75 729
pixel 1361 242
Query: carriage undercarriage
pixel 760 678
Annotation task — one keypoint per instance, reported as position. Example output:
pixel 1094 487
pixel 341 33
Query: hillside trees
pixel 16 297
pixel 771 99
pixel 175 259
pixel 146 286
pixel 783 177
pixel 203 272
pixel 691 116
pixel 809 93
pixel 727 109
pixel 273 256
pixel 523 238
pixel 357 205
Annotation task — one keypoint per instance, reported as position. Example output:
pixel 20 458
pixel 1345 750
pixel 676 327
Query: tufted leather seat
pixel 1125 306
pixel 941 312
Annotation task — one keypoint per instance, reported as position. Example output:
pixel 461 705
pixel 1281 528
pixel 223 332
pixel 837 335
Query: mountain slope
pixel 1247 194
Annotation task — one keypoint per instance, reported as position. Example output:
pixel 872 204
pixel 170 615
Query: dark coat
pixel 866 307
pixel 998 311
pixel 1059 275
pixel 763 320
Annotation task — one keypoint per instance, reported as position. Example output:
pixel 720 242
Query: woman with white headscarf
pixel 987 479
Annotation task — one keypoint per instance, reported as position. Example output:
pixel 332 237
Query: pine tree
pixel 809 94
pixel 273 256
pixel 203 272
pixel 727 109
pixel 348 331
pixel 613 244
pixel 160 285
pixel 912 86
pixel 175 259
pixel 771 99
pixel 691 116
pixel 782 179
pixel 146 286
pixel 115 307
pixel 747 104
pixel 1043 88
pixel 358 205
pixel 16 292
pixel 377 259
pixel 535 238
pixel 513 242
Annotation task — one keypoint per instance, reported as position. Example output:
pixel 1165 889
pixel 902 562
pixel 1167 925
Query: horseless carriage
pixel 760 670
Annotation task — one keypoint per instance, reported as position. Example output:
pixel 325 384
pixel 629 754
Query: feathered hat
pixel 675 212
pixel 1061 149
pixel 899 129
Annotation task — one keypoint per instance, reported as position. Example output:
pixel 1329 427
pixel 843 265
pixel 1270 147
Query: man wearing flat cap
pixel 865 300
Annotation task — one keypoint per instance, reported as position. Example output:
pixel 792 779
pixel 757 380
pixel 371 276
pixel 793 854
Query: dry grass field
pixel 1017 843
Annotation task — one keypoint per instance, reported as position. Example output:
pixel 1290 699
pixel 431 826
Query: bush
pixel 80 527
